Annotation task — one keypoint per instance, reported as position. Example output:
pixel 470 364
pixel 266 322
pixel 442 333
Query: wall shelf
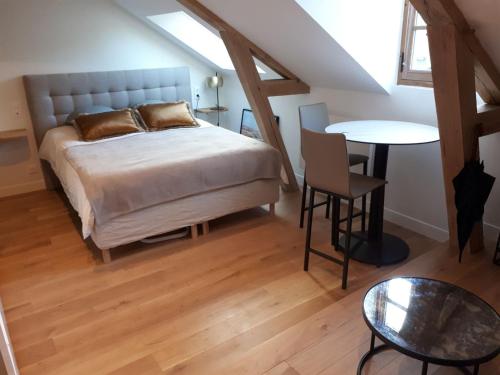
pixel 211 110
pixel 13 134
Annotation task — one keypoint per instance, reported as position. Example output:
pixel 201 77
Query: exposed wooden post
pixel 250 80
pixel 447 11
pixel 242 51
pixel 460 67
pixel 454 90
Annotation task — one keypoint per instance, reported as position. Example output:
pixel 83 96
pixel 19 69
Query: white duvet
pixel 52 150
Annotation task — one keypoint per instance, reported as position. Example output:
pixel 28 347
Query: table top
pixel 433 321
pixel 385 132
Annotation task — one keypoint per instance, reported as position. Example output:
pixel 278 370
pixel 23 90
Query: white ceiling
pixel 284 30
pixel 296 41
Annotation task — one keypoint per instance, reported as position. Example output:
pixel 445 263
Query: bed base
pixel 205 229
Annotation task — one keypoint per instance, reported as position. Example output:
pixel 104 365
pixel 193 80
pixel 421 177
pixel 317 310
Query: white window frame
pixel 406 76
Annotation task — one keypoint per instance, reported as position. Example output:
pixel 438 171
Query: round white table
pixel 378 247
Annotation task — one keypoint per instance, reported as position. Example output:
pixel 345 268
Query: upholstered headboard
pixel 52 97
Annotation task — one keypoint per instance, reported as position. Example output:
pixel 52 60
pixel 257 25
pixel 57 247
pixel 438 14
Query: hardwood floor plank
pixel 282 369
pixel 36 353
pixel 234 302
pixel 144 366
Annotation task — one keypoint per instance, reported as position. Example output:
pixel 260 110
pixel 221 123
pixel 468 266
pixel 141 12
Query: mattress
pixel 131 227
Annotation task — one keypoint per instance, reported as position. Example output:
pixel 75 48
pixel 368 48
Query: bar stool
pixel 315 117
pixel 327 164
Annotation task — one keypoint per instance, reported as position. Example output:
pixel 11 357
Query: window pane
pixel 420 58
pixel 419 21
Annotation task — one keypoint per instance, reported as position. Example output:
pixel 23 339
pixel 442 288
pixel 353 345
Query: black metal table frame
pixel 387 344
pixel 377 247
pixel 425 361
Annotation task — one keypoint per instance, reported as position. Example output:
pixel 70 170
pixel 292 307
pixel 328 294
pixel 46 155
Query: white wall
pixel 53 36
pixel 370 36
pixel 415 195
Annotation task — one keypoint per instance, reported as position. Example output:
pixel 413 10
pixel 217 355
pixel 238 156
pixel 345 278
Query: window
pixel 196 36
pixel 415 63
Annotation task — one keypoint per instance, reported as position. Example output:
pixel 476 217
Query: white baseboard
pixel 6 191
pixel 418 226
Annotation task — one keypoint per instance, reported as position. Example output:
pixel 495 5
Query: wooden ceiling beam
pixel 242 52
pixel 485 70
pixel 278 87
pixel 489 128
pixel 447 12
pixel 488 119
pixel 250 81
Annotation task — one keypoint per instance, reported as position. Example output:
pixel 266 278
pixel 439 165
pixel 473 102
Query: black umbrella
pixel 472 188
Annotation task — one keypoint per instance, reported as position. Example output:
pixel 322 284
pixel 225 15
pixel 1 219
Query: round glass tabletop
pixel 433 321
pixel 385 132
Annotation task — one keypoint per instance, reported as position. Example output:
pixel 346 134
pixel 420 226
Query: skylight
pixel 193 34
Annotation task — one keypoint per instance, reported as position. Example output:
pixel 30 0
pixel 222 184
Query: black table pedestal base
pixel 394 249
pixel 380 348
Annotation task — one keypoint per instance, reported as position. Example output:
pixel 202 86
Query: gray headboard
pixel 52 97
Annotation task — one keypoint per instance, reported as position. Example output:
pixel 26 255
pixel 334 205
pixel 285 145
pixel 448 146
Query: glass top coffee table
pixel 432 321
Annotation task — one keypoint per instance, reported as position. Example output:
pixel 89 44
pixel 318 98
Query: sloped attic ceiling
pixel 295 40
pixel 484 17
pixel 287 32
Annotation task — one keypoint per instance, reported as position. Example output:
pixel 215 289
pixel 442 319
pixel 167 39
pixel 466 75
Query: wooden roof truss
pixel 242 52
pixel 460 67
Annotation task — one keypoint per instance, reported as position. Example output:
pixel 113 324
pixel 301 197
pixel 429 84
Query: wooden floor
pixel 233 302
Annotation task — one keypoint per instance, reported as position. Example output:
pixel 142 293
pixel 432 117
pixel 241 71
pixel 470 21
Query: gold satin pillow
pixel 166 115
pixel 106 124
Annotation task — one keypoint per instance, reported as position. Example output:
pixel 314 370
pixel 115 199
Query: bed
pixel 51 98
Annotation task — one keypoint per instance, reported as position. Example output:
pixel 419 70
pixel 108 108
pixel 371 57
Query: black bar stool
pixel 315 117
pixel 327 164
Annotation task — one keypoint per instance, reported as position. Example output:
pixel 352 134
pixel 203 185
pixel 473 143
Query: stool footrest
pixel 326 256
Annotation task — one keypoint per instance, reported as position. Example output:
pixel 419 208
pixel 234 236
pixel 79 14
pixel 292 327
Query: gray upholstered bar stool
pixel 315 117
pixel 327 164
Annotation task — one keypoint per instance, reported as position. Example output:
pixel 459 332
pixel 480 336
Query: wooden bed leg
pixel 205 228
pixel 271 209
pixel 106 256
pixel 194 231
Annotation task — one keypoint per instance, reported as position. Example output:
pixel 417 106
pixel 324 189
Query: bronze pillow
pixel 106 124
pixel 166 115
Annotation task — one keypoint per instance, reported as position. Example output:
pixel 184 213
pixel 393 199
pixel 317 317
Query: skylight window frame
pixel 168 23
pixel 407 76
